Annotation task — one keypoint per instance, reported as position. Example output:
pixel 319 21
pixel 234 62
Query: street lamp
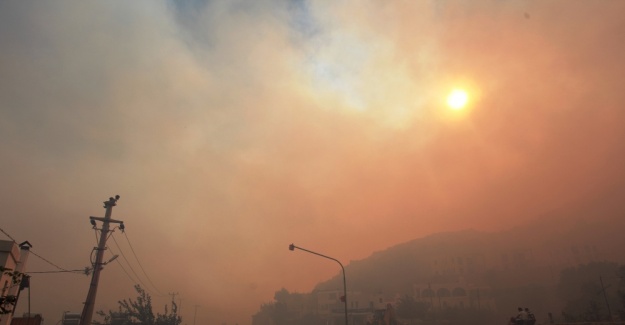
pixel 293 247
pixel 112 259
pixel 89 269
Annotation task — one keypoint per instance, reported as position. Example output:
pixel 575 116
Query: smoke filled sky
pixel 231 129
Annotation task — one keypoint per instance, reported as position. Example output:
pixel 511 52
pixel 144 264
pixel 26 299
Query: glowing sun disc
pixel 457 99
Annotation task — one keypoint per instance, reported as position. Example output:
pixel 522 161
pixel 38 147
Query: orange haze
pixel 232 129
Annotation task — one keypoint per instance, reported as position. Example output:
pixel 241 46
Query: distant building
pixel 328 306
pixel 460 294
pixel 360 305
pixel 457 264
pixel 32 319
pixel 70 318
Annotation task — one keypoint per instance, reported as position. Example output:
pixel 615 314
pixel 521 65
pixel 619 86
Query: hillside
pixel 534 253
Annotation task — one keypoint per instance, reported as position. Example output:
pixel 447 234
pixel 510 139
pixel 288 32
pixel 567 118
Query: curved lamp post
pixel 293 247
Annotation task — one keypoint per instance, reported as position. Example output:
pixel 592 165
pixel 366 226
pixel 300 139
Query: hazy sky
pixel 234 128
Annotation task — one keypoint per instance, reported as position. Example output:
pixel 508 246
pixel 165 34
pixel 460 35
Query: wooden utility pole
pixel 87 311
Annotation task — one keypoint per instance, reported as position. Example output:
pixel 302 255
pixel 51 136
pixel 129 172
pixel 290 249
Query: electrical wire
pixel 45 260
pixel 63 270
pixel 37 255
pixel 132 279
pixel 91 260
pixel 4 232
pixel 70 271
pixel 124 269
pixel 138 262
pixel 129 265
pixel 97 240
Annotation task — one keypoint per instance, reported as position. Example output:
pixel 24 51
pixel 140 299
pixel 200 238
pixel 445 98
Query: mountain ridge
pixel 547 243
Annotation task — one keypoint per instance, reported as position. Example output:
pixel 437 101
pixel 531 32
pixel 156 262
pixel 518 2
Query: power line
pixel 129 265
pixel 45 260
pixel 138 262
pixel 95 231
pixel 32 252
pixel 4 232
pixel 66 271
pixel 124 269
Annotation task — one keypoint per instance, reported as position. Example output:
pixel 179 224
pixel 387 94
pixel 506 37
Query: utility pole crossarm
pixel 104 219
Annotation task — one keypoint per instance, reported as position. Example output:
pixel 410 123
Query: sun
pixel 457 99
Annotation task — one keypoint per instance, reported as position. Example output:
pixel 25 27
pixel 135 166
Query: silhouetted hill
pixel 397 268
pixel 533 253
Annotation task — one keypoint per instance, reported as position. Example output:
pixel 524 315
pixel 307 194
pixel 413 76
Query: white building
pixel 12 258
pixel 458 294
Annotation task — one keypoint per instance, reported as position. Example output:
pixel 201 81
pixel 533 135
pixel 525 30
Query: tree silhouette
pixel 583 293
pixel 7 303
pixel 139 311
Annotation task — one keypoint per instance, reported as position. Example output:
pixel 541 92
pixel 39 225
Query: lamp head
pixel 291 247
